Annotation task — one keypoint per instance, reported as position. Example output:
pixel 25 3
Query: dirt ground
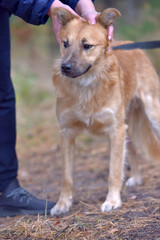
pixel 40 173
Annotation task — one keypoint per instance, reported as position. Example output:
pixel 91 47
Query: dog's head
pixel 82 43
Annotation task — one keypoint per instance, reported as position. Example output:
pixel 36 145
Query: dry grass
pixel 89 224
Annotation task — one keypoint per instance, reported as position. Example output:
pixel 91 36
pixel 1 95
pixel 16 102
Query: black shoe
pixel 17 201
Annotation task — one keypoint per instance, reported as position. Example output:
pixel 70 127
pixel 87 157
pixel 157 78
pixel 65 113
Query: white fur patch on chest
pixel 105 116
pixel 85 82
pixel 104 112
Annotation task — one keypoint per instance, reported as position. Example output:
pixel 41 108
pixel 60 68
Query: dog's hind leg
pixel 135 116
pixel 144 137
pixel 151 125
pixel 68 151
pixel 152 110
pixel 133 158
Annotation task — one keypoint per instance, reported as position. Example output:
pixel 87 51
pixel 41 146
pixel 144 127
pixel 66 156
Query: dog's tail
pixel 144 129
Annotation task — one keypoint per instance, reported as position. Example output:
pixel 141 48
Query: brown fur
pixel 114 93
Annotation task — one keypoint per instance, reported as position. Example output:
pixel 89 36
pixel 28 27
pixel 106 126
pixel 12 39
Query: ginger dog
pixel 115 94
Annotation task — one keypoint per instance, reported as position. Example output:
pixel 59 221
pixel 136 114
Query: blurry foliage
pixel 27 90
pixel 145 25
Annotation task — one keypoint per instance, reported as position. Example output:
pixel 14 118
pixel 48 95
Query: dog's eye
pixel 87 46
pixel 65 44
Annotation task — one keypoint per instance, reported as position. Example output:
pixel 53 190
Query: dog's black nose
pixel 66 67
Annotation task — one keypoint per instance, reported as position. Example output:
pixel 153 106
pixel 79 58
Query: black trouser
pixel 8 159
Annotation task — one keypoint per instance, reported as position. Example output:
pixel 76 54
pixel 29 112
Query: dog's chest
pixel 98 122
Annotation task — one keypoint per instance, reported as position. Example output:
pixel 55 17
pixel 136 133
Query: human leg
pixel 8 158
pixel 14 200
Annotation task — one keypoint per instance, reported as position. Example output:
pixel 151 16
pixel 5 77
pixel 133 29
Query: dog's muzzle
pixel 69 70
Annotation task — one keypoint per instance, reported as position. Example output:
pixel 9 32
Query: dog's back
pixel 139 76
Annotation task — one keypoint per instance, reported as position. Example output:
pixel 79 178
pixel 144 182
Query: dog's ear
pixel 107 17
pixel 63 15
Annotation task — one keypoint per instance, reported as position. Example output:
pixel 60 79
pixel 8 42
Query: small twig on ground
pixel 53 228
pixel 60 232
pixel 89 205
pixel 46 208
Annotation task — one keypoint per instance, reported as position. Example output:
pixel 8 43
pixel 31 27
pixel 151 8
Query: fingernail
pixel 109 37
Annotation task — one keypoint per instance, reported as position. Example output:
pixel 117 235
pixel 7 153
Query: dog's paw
pixel 110 205
pixel 131 182
pixel 60 208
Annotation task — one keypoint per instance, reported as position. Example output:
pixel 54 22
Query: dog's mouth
pixel 69 71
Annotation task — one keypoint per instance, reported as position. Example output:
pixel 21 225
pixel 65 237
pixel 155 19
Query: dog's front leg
pixel 68 149
pixel 117 155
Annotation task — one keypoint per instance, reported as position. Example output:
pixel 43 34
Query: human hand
pixel 56 26
pixel 90 15
pixel 86 9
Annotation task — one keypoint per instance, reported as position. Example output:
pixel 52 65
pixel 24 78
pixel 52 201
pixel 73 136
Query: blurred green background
pixel 34 49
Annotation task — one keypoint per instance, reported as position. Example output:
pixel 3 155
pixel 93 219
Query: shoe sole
pixel 12 212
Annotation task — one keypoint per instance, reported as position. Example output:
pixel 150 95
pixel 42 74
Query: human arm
pixel 31 11
pixel 37 11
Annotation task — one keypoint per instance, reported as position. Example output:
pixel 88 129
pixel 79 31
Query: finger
pixel 91 17
pixel 110 32
pixel 71 10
